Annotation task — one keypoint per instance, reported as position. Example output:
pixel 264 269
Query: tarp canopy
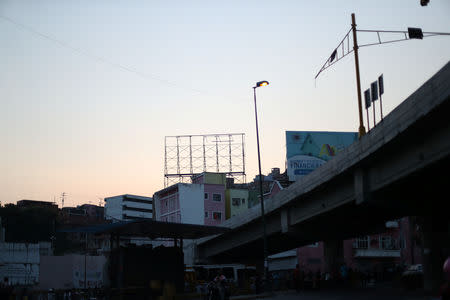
pixel 151 229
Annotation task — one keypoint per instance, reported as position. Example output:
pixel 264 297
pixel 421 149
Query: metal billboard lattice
pixel 189 155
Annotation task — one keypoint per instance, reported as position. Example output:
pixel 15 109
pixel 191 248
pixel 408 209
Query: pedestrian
pixel 220 281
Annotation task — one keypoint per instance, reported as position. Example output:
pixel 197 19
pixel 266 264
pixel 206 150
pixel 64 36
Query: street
pixel 385 293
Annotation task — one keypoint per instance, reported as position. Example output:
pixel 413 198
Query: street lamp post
pixel 266 266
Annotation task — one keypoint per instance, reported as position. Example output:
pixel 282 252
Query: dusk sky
pixel 89 89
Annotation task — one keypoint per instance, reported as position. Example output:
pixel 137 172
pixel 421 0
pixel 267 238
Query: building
pixel 128 207
pixel 73 215
pixel 19 262
pixel 37 203
pixel 94 212
pixel 82 214
pixel 272 184
pixel 201 202
pixel 380 254
pixel 236 201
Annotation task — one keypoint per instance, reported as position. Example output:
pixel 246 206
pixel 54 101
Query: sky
pixel 89 89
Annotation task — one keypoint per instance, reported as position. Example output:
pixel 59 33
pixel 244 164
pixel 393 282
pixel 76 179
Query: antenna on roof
pixel 63 195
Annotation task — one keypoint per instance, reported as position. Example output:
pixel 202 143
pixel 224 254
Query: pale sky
pixel 89 89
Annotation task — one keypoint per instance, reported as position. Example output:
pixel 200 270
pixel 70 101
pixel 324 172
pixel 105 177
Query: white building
pixel 19 263
pixel 128 207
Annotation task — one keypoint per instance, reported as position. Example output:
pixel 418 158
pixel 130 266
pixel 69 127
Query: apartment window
pixel 402 243
pixel 206 195
pixel 217 215
pixel 314 261
pixel 217 197
pixel 362 242
pixel 236 201
pixel 147 210
pixel 387 242
pixel 243 200
pixel 206 215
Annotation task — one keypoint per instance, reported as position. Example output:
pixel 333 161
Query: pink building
pixel 201 202
pixel 379 253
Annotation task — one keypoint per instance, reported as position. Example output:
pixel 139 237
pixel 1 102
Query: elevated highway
pixel 399 168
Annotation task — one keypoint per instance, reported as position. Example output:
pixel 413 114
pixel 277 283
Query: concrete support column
pixel 361 186
pixel 334 256
pixel 436 243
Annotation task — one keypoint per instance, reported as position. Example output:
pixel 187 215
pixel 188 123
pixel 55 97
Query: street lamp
pixel 266 266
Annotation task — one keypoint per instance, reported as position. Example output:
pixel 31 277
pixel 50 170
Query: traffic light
pixel 415 33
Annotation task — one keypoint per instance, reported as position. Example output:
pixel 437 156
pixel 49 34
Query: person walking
pixel 220 281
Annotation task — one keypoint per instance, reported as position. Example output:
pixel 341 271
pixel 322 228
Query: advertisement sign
pixel 308 150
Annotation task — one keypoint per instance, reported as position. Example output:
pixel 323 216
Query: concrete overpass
pixel 400 168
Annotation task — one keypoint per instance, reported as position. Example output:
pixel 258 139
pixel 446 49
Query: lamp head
pixel 261 83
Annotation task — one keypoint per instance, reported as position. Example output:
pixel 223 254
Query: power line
pixel 98 58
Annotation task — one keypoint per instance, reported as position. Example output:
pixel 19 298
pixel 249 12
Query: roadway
pixel 385 292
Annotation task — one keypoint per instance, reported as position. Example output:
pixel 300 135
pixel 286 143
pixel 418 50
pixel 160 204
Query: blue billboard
pixel 308 150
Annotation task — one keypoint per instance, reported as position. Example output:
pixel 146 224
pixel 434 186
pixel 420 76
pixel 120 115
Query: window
pixel 206 215
pixel 387 243
pixel 362 242
pixel 236 201
pixel 243 200
pixel 217 197
pixel 314 261
pixel 402 243
pixel 217 215
pixel 206 195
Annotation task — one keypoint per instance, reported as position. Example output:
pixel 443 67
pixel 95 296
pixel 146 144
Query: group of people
pixel 218 288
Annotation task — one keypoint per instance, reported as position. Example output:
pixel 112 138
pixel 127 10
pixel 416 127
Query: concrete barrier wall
pixel 67 272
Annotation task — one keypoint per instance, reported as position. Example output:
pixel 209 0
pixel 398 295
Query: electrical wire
pixel 98 58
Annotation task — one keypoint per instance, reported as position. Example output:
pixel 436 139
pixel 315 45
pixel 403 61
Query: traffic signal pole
pixel 362 130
